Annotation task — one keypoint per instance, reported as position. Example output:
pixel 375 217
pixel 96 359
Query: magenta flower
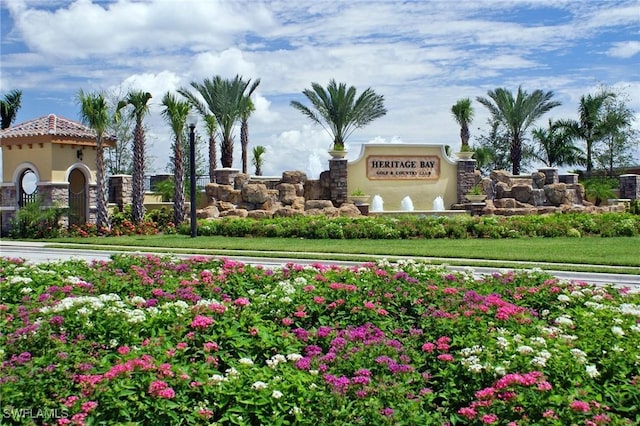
pixel 201 322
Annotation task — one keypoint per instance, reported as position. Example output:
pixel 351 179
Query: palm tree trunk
pixel 464 135
pixel 102 215
pixel 213 161
pixel 589 165
pixel 227 152
pixel 137 202
pixel 244 140
pixel 178 181
pixel 516 156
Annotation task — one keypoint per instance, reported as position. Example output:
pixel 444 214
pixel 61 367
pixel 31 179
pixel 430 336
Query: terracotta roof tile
pixel 49 125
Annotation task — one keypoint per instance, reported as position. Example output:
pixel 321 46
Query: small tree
pixel 258 160
pixel 9 107
pixel 338 110
pixel 463 114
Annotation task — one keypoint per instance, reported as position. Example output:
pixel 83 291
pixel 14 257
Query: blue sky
pixel 421 55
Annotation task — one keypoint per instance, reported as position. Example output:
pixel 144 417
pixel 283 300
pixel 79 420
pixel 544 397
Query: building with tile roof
pixel 51 158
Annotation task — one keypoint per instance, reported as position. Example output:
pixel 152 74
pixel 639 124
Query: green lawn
pixel 619 252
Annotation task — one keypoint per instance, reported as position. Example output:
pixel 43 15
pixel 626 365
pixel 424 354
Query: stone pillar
pixel 338 177
pixel 466 178
pixel 551 175
pixel 225 175
pixel 8 206
pixel 630 186
pixel 120 191
pixel 569 178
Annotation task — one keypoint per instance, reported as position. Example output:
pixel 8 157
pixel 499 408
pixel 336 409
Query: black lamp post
pixel 192 175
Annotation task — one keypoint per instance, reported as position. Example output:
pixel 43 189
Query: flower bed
pixel 148 340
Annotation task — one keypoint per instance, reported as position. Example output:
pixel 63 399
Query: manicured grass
pixel 620 251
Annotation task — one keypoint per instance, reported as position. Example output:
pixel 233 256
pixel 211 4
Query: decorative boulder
pixel 501 176
pixel 556 193
pixel 286 193
pixel 255 193
pixel 260 214
pixel 538 179
pixel 317 204
pixel 521 193
pixel 349 210
pixel 294 176
pixel 234 213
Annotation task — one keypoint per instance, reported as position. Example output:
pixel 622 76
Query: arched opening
pixel 77 198
pixel 28 187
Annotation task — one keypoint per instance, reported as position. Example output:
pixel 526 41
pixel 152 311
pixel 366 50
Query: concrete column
pixel 551 175
pixel 338 178
pixel 466 178
pixel 120 191
pixel 630 186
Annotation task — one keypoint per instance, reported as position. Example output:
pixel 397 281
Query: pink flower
pixel 88 406
pixel 182 345
pixel 369 305
pixel 210 347
pixel 241 301
pixel 489 419
pixel 123 350
pixel 580 406
pixel 161 389
pixel 428 347
pixel 201 322
pixel 445 357
pixel 286 321
pixel 467 412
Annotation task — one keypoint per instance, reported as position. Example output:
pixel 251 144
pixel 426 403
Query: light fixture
pixel 192 120
pixel 79 154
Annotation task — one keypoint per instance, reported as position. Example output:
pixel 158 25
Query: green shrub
pixel 428 227
pixel 35 221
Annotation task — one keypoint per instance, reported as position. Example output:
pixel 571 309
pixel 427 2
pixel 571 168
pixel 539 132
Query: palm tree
pixel 137 99
pixel 338 111
pixel 211 125
pixel 9 107
pixel 258 161
pixel 246 109
pixel 556 146
pixel 175 112
pixel 517 115
pixel 222 99
pixel 463 114
pixel 94 112
pixel 591 126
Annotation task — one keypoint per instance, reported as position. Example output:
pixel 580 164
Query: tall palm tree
pixel 338 111
pixel 138 100
pixel 175 113
pixel 245 111
pixel 211 125
pixel 258 160
pixel 9 107
pixel 94 112
pixel 517 114
pixel 590 126
pixel 463 114
pixel 221 98
pixel 556 146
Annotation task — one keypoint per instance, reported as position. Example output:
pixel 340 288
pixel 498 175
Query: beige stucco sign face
pixel 397 167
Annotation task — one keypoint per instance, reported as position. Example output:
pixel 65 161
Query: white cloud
pixel 624 49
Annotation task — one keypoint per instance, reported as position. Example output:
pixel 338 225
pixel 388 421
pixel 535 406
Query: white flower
pixel 26 290
pixel 245 361
pixel 564 320
pixel 524 349
pixel 276 394
pixel 217 378
pixel 231 372
pixel 538 341
pixel 579 355
pixel 592 371
pixel 259 385
pixel 563 298
pixel 137 300
pixel 285 299
pixel 294 357
pixel 295 410
pixel 617 331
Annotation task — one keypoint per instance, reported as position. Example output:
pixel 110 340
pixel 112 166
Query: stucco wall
pixel 422 191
